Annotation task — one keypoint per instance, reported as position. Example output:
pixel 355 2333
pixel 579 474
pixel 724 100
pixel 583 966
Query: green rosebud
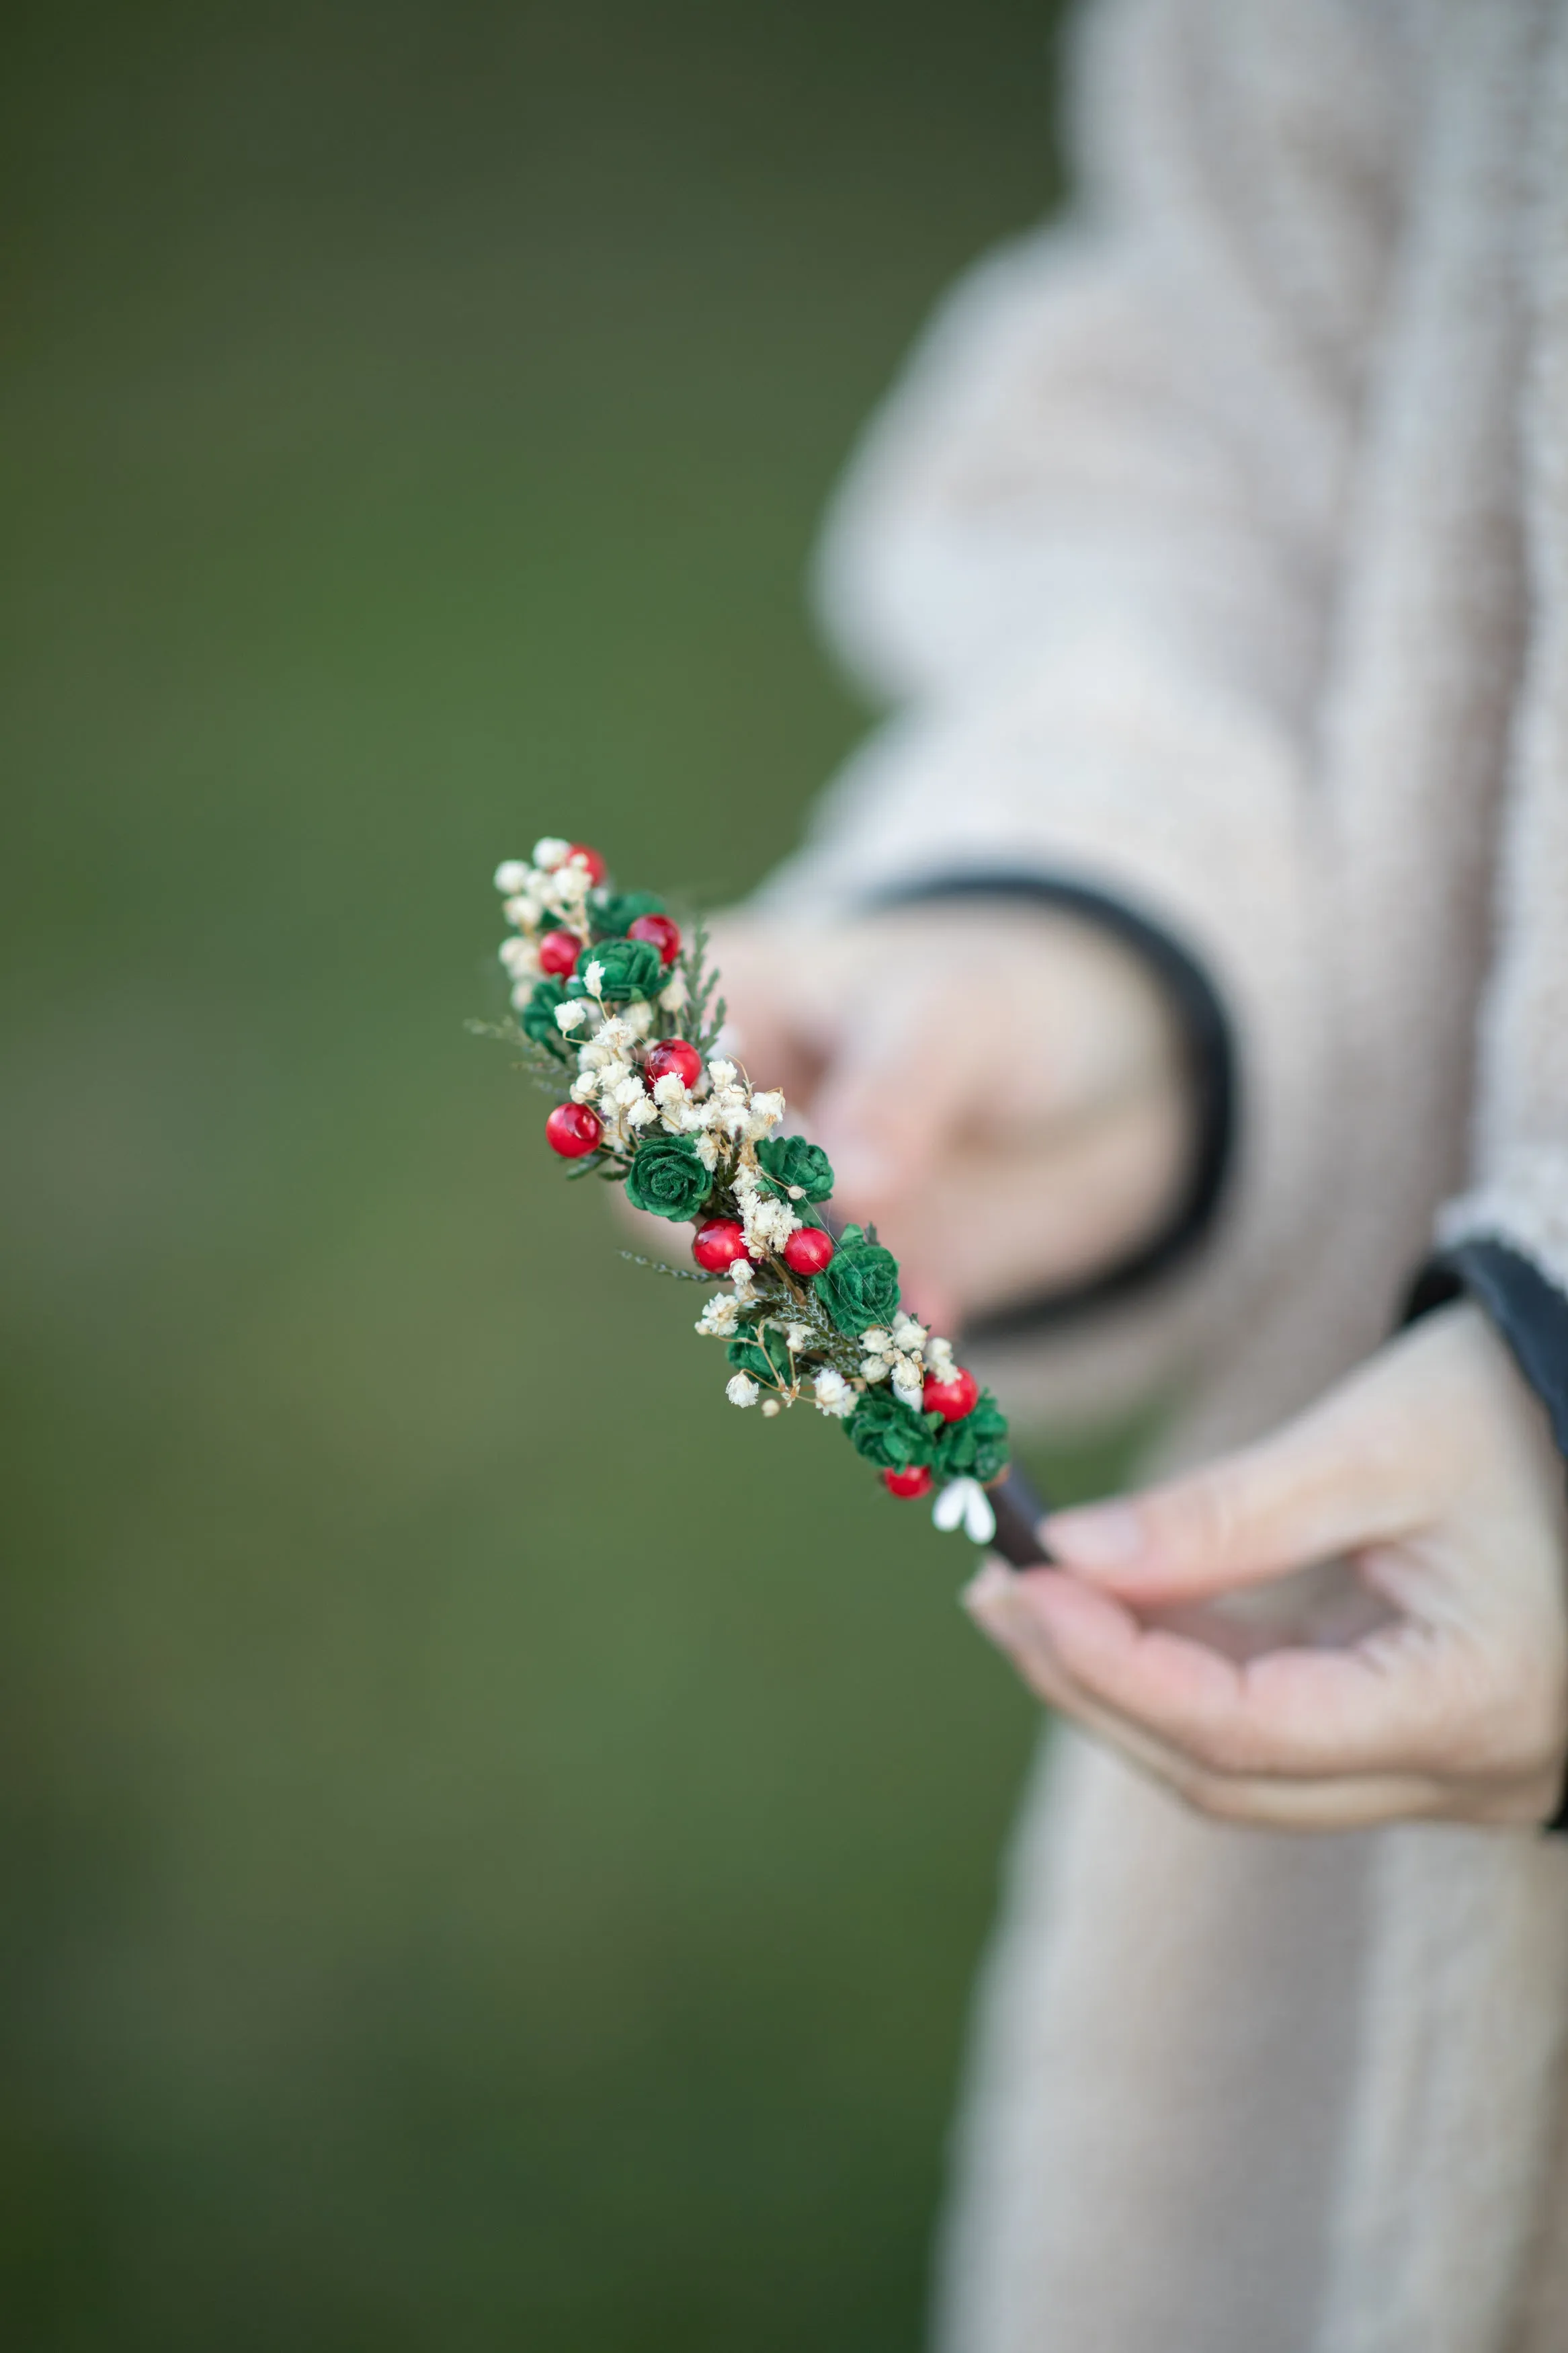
pixel 976 1447
pixel 537 1020
pixel 668 1179
pixel 612 913
pixel 860 1286
pixel 631 969
pixel 763 1356
pixel 890 1433
pixel 790 1160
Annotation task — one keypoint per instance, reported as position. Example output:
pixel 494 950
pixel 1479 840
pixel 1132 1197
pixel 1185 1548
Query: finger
pixel 1403 1699
pixel 1327 1484
pixel 898 1086
pixel 1324 1802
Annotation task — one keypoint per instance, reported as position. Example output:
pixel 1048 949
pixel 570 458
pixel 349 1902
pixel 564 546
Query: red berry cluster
pixel 953 1399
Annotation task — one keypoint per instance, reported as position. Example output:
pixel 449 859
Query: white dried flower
pixel 722 1072
pixel 525 911
pixel 670 1092
pixel 626 1090
pixel 594 978
pixel 512 875
pixel 766 1112
pixel 672 995
pixel 639 1113
pixel 939 1359
pixel 833 1394
pixel 742 1391
pixel 768 1224
pixel 708 1153
pixel 909 1334
pixel 909 1383
pixel 720 1316
pixel 638 1016
pixel 877 1342
pixel 522 994
pixel 569 1014
pixel 550 852
pixel 770 1407
pixel 742 1274
pixel 584 1086
pixel 517 955
pixel 875 1368
pixel 797 1336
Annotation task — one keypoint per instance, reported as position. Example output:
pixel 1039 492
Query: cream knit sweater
pixel 1214 553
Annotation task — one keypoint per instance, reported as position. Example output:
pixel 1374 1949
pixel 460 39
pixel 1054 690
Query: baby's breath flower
pixel 909 1334
pixel 568 1016
pixel 672 997
pixel 518 955
pixel 797 1336
pixel 524 910
pixel 550 852
pixel 877 1342
pixel 626 1091
pixel 742 1274
pixel 833 1394
pixel 594 978
pixel 939 1359
pixel 875 1368
pixel 770 1407
pixel 670 1092
pixel 708 1153
pixel 766 1111
pixel 512 875
pixel 722 1072
pixel 639 1017
pixel 742 1391
pixel 639 1113
pixel 522 994
pixel 720 1316
pixel 584 1086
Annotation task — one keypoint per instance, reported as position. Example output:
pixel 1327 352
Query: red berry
pixel 591 858
pixel 572 1130
pixel 953 1399
pixel 559 951
pixel 675 1054
pixel 916 1481
pixel 719 1245
pixel 808 1249
pixel 661 933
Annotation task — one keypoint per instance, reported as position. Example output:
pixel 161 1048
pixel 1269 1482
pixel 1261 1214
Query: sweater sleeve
pixel 1088 550
pixel 1507 1238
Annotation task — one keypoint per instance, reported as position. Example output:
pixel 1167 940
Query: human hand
pixel 1002 1091
pixel 1433 1468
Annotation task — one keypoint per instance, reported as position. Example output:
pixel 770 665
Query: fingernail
pixel 988 1587
pixel 1102 1536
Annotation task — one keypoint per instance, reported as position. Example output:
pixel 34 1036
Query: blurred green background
pixel 496 1844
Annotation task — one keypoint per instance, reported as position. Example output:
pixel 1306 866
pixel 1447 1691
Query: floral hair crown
pixel 617 1015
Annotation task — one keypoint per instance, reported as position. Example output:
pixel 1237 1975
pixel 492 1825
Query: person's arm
pixel 1089 550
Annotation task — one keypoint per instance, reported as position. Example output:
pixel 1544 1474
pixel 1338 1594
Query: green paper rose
pixel 976 1447
pixel 763 1356
pixel 888 1433
pixel 613 913
pixel 537 1019
pixel 790 1160
pixel 668 1179
pixel 859 1287
pixel 631 969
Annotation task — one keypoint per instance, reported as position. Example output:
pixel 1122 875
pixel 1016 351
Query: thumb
pixel 1314 1489
pixel 902 1075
